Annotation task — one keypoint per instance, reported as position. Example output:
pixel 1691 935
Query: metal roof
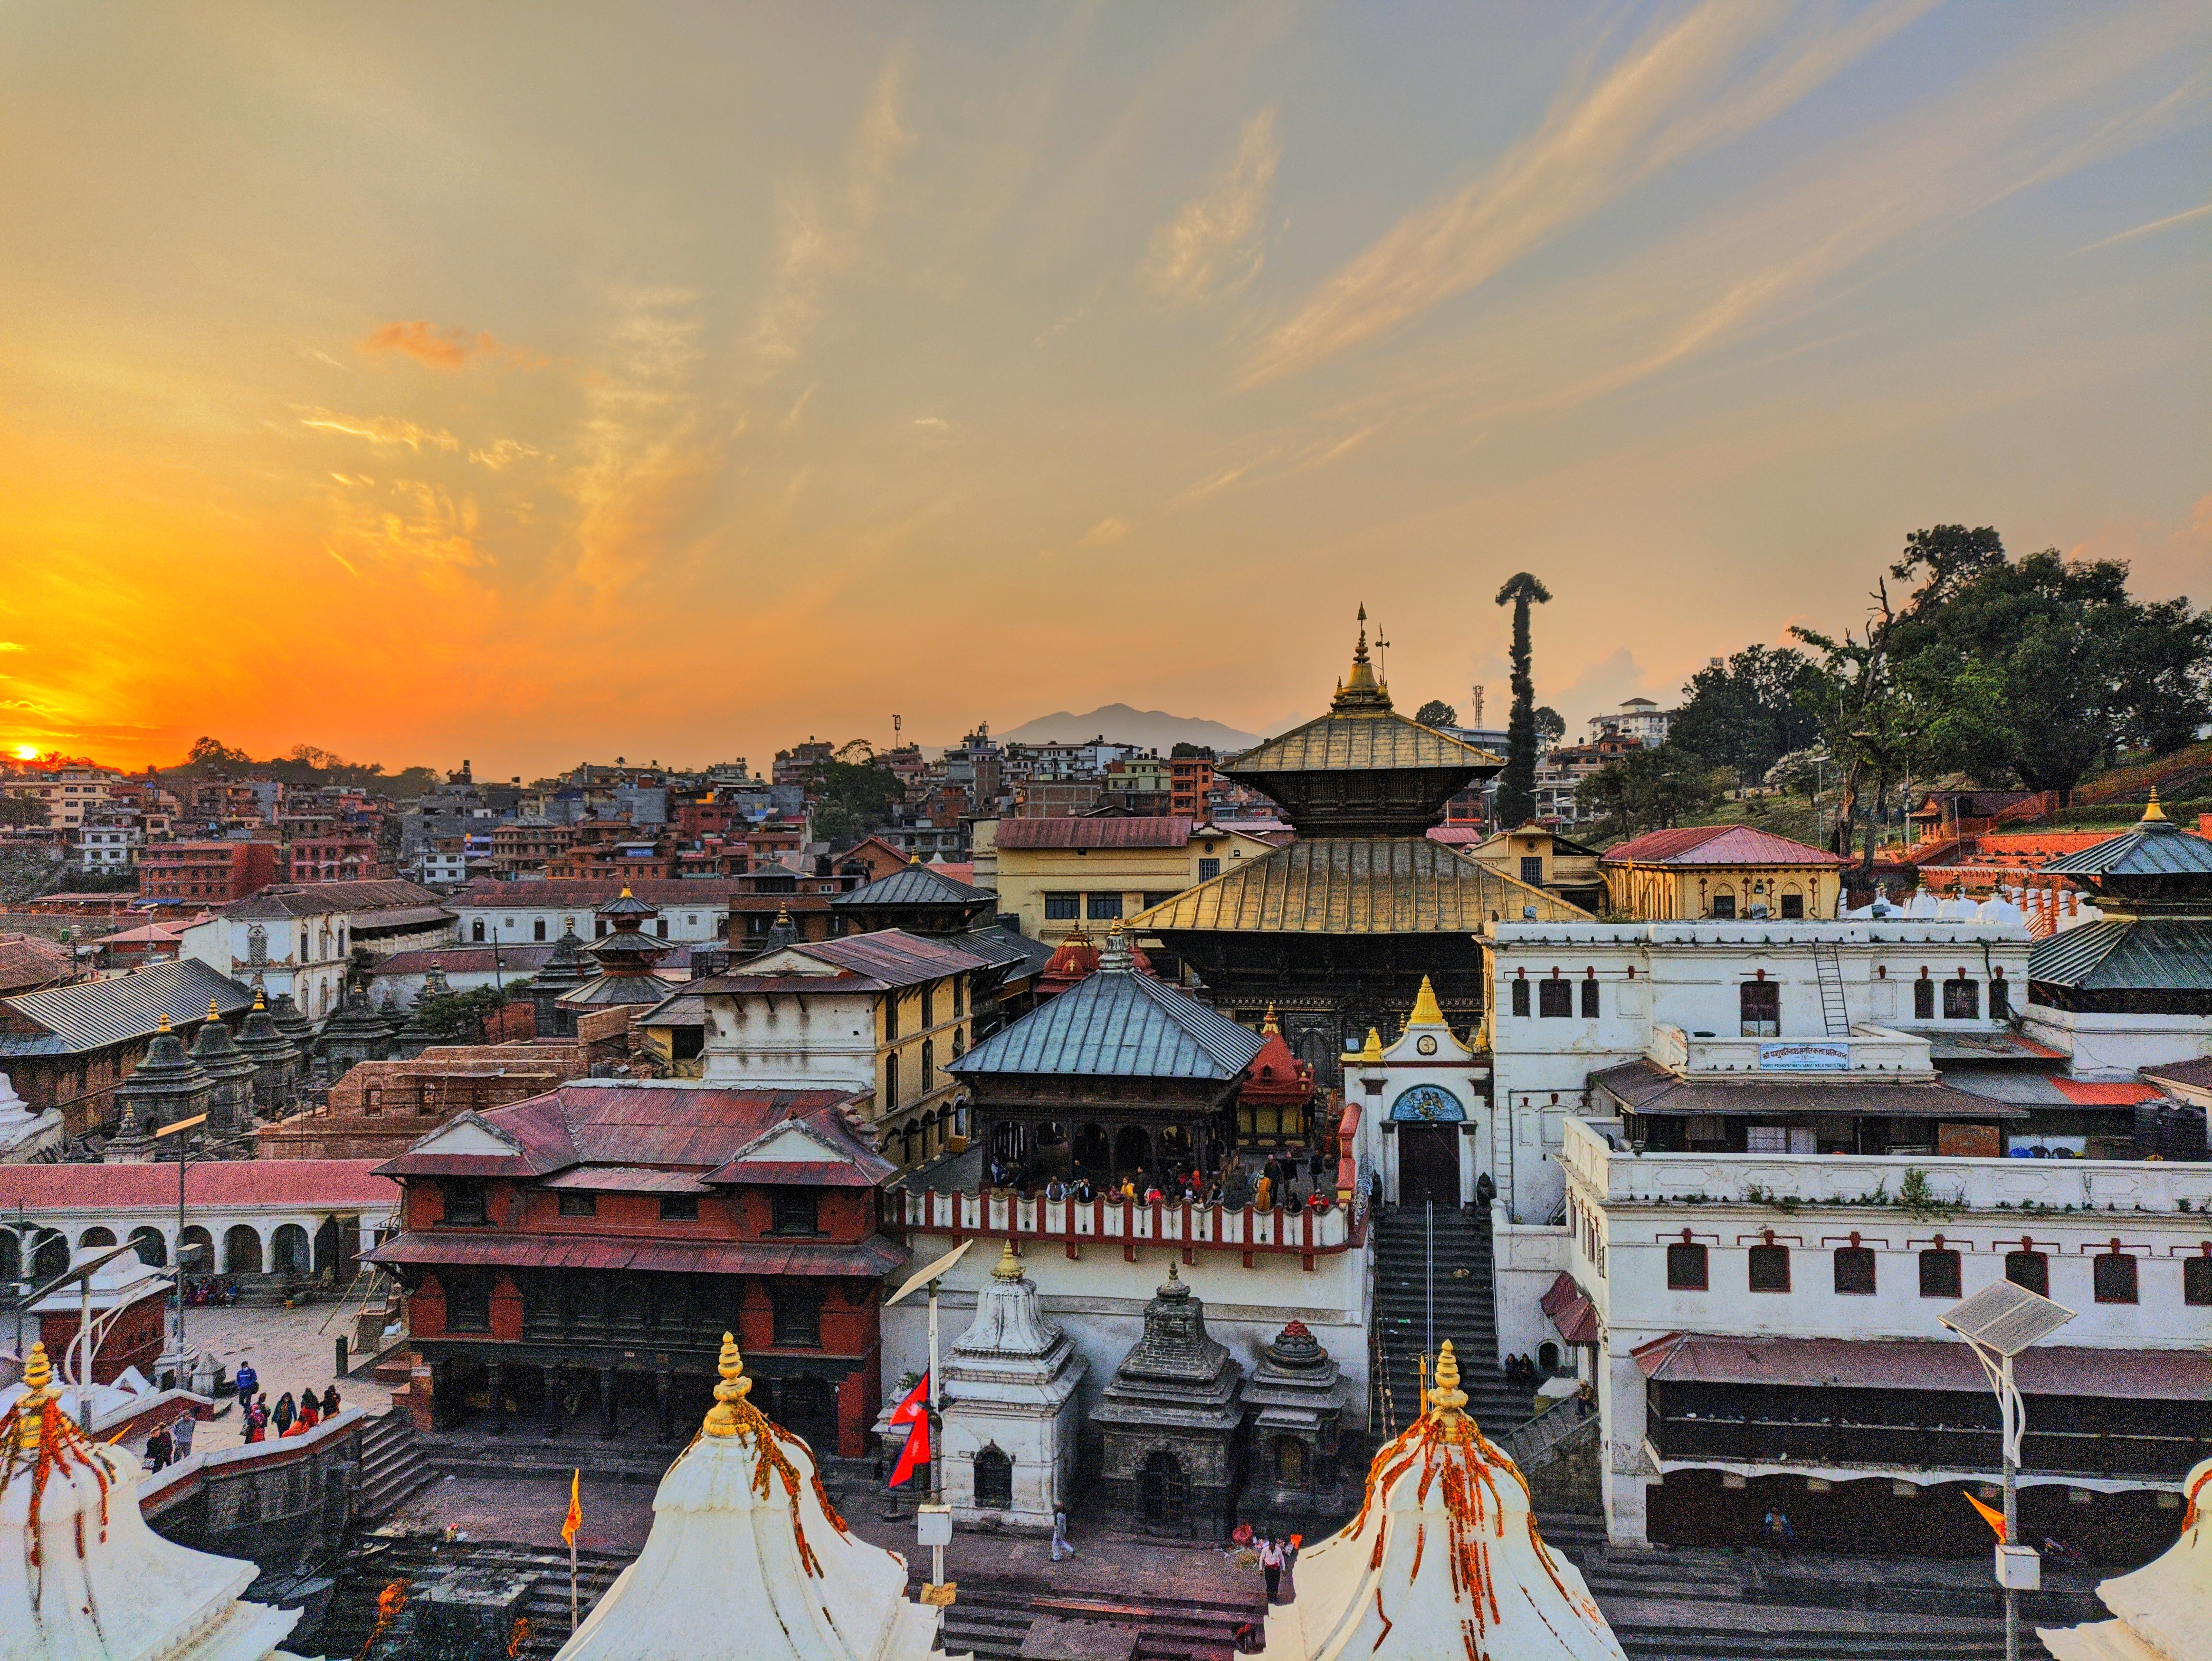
pixel 97 1013
pixel 889 955
pixel 2163 954
pixel 865 1259
pixel 1116 1024
pixel 2136 1374
pixel 491 894
pixel 1359 742
pixel 917 885
pixel 1716 844
pixel 1642 1086
pixel 319 898
pixel 999 946
pixel 2157 848
pixel 1173 830
pixel 1356 885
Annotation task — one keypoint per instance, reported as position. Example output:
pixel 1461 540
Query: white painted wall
pixel 515 920
pixel 2100 1046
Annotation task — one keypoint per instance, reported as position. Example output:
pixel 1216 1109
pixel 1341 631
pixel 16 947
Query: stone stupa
pixel 747 1557
pixel 1444 1561
pixel 82 1577
pixel 1172 1421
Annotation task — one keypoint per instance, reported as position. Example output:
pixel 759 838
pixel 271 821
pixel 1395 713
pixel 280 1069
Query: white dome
pixel 1922 904
pixel 2165 1608
pixel 1443 1560
pixel 2000 910
pixel 747 1557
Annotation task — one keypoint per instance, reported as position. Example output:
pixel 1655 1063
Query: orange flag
pixel 1994 1518
pixel 575 1518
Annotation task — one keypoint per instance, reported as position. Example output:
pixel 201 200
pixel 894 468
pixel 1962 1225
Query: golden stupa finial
pixel 723 1417
pixel 914 858
pixel 260 1002
pixel 625 890
pixel 1426 1011
pixel 38 1390
pixel 1269 1024
pixel 1009 1266
pixel 783 916
pixel 164 1025
pixel 1361 691
pixel 2153 813
pixel 1446 1398
pixel 213 1014
pixel 1371 1056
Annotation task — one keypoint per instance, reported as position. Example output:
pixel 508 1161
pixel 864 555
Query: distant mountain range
pixel 1153 729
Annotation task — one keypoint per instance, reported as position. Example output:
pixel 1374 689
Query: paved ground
pixel 290 1349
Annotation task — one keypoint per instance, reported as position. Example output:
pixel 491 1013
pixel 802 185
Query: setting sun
pixel 27 752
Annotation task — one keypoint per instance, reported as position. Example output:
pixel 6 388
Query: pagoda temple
pixel 1444 1561
pixel 1337 928
pixel 1277 1095
pixel 82 1575
pixel 627 958
pixel 561 973
pixel 748 1557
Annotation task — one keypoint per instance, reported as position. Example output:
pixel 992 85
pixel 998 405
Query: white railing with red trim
pixel 1117 1221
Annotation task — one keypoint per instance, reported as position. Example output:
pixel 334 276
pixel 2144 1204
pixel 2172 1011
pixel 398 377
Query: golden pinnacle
pixel 723 1417
pixel 1009 1266
pixel 1447 1397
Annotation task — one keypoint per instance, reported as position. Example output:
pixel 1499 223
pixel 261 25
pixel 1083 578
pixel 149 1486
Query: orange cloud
pixel 442 348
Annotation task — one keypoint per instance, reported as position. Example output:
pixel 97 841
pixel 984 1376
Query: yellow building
pixel 1055 873
pixel 1544 859
pixel 1719 871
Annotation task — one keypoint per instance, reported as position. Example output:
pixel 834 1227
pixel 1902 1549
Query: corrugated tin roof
pixel 866 1259
pixel 1642 1086
pixel 997 946
pixel 97 1013
pixel 319 898
pixel 2165 954
pixel 1172 831
pixel 275 1183
pixel 1117 1024
pixel 2160 849
pixel 1359 742
pixel 1716 844
pixel 2151 1375
pixel 466 959
pixel 916 885
pixel 490 894
pixel 892 955
pixel 1355 886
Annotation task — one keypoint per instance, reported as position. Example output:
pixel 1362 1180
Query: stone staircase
pixel 393 1466
pixel 1467 1313
pixel 422 1561
pixel 993 1620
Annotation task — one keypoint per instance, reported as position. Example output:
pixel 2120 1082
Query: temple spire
pixel 1447 1400
pixel 723 1417
pixel 1361 691
pixel 2153 812
pixel 1426 1011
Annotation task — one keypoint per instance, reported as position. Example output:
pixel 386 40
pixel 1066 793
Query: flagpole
pixel 572 1586
pixel 936 1443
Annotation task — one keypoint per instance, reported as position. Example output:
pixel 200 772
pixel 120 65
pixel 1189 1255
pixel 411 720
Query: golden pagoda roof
pixel 1356 885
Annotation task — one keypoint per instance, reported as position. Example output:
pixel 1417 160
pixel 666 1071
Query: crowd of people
pixel 1287 1179
pixel 289 1415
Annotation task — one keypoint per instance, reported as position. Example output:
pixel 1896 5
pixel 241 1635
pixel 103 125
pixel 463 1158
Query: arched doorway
pixel 196 1239
pixel 994 1480
pixel 1290 1461
pixel 1162 1490
pixel 289 1250
pixel 326 1247
pixel 95 1237
pixel 153 1250
pixel 52 1256
pixel 1133 1151
pixel 241 1250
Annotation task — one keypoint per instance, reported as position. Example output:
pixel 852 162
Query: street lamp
pixel 184 1159
pixel 1998 1322
pixel 933 1522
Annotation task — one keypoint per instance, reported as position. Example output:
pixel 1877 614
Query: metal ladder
pixel 1834 1015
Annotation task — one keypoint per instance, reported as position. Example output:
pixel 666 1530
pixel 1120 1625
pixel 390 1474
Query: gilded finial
pixel 213 1014
pixel 259 1001
pixel 1372 1055
pixel 625 893
pixel 2153 813
pixel 1361 692
pixel 164 1025
pixel 783 916
pixel 1009 1266
pixel 1270 1026
pixel 723 1417
pixel 1446 1398
pixel 1426 1011
pixel 914 858
pixel 38 1390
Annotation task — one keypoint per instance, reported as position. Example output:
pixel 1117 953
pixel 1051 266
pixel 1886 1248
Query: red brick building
pixel 338 857
pixel 218 872
pixel 579 1255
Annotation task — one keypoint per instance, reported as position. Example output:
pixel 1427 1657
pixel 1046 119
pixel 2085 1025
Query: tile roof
pixel 1642 1086
pixel 2171 954
pixel 321 898
pixel 95 1013
pixel 1346 742
pixel 1117 1024
pixel 274 1182
pixel 28 961
pixel 489 894
pixel 467 959
pixel 1355 886
pixel 917 885
pixel 1716 844
pixel 1172 831
pixel 2190 1075
pixel 2180 1375
pixel 890 957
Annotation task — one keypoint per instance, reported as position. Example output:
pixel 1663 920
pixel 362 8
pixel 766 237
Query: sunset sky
pixel 539 383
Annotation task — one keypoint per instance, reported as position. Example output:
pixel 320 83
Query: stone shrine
pixel 165 1086
pixel 1172 1420
pixel 355 1033
pixel 561 973
pixel 231 1074
pixel 1010 1390
pixel 1296 1398
pixel 279 1064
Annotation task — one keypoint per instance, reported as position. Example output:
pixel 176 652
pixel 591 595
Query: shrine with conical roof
pixel 626 956
pixel 1337 928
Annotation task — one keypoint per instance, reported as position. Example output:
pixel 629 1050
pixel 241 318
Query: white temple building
pixel 1444 1561
pixel 2164 1608
pixel 1009 1406
pixel 747 1558
pixel 82 1577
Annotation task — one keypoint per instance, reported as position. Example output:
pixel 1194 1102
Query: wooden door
pixel 1428 1164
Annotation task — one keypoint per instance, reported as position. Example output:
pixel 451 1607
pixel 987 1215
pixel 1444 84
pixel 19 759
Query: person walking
pixel 1059 1543
pixel 285 1414
pixel 1271 1560
pixel 157 1451
pixel 257 1421
pixel 180 1435
pixel 248 1382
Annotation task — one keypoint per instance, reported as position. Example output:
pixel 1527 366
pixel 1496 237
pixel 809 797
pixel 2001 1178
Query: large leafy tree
pixel 1647 790
pixel 1436 713
pixel 1745 713
pixel 1516 786
pixel 851 800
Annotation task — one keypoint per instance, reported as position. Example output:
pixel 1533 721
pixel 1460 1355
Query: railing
pixel 1546 1436
pixel 1123 1222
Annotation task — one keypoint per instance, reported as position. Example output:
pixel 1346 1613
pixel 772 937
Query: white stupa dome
pixel 1998 909
pixel 747 1557
pixel 2165 1608
pixel 83 1578
pixel 1444 1561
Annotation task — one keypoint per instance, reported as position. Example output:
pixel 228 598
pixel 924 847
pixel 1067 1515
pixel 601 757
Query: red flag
pixel 1994 1517
pixel 915 1411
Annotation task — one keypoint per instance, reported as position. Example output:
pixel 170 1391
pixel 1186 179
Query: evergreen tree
pixel 1516 787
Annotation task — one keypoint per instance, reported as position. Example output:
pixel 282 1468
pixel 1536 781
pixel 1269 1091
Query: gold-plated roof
pixel 1355 886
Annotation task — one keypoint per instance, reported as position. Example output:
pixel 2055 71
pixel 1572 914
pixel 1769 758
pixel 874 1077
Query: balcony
pixel 1951 1185
pixel 1129 1224
pixel 1868 1048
